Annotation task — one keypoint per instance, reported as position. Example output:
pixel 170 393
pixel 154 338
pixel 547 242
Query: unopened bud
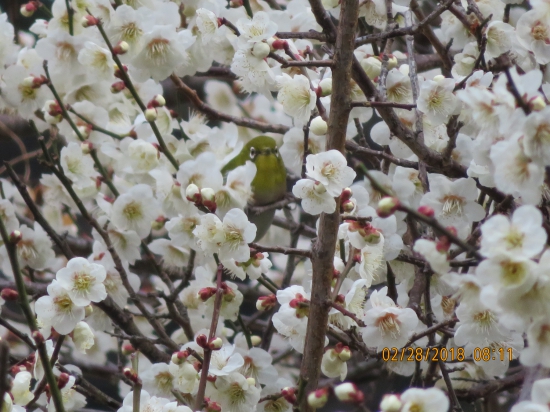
pixel 128 349
pixel 131 374
pixel 215 344
pixel 251 381
pixel 438 78
pixel 63 380
pixel 392 62
pixel 27 10
pixel 202 340
pixel 209 199
pixel 193 193
pixel 387 206
pixel 261 50
pixel 15 237
pixel 255 340
pixel 278 44
pixel 121 48
pixel 344 354
pixel 348 206
pixel 206 293
pixel 180 357
pixel 426 211
pixel 117 87
pixel 38 337
pixel 537 104
pixel 289 394
pixel 208 194
pixel 348 392
pixel 266 302
pixel 319 188
pixel 9 294
pixel 318 126
pixel 86 147
pixel 157 101
pixel 325 87
pixel 151 114
pixel 318 399
pixel 372 66
pixel 88 310
pixel 89 21
pixel 390 403
pixel 347 193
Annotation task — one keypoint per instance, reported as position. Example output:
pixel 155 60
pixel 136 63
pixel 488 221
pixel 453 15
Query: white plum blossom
pixel 388 327
pixel 315 197
pixel 296 96
pixel 426 400
pixel 436 99
pixel 135 210
pixel 58 310
pixel 331 169
pixel 523 235
pixel 83 281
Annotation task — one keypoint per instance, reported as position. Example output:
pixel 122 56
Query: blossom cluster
pixel 155 235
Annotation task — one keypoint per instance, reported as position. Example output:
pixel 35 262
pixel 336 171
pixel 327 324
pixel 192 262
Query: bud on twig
pixel 348 392
pixel 318 398
pixel 266 302
pixel 9 294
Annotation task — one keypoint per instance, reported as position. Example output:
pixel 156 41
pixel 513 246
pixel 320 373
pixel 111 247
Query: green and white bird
pixel 269 184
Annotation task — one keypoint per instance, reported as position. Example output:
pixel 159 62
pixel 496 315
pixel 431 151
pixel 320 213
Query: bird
pixel 269 184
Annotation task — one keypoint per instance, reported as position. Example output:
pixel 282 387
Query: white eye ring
pixel 252 153
pixel 275 150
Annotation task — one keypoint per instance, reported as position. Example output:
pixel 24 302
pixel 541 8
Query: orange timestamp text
pixel 434 354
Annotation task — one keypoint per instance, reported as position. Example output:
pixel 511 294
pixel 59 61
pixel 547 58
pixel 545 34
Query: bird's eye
pixel 275 150
pixel 252 153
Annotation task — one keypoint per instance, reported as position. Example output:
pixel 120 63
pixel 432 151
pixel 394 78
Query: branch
pixel 216 115
pixel 324 248
pixel 280 249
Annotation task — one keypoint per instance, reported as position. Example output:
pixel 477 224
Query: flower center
pixel 82 281
pixel 64 303
pixel 65 51
pixel 130 32
pixel 485 320
pixel 540 32
pixel 237 395
pixel 233 236
pixel 512 273
pixel 452 205
pixel 164 380
pixel 26 250
pixel 388 324
pixel 157 50
pixel 132 210
pixel 514 239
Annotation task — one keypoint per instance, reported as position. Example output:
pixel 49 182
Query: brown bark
pixel 324 248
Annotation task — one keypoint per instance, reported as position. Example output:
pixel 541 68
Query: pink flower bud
pixel 266 302
pixel 38 337
pixel 279 44
pixel 215 344
pixel 15 237
pixel 179 357
pixel 318 398
pixel 387 206
pixel 9 294
pixel 121 48
pixel 289 394
pixel 426 211
pixel 89 21
pixel 128 349
pixel 151 114
pixel 206 293
pixel 63 380
pixel 348 392
pixel 347 193
pixel 117 87
pixel 202 341
pixel 28 9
